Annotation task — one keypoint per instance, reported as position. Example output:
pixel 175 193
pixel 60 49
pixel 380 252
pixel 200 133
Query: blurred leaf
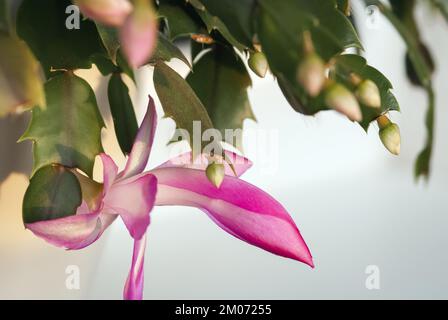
pixel 236 15
pixel 180 18
pixel 54 192
pixel 404 12
pixel 423 163
pixel 281 25
pixel 110 39
pixel 167 51
pixel 443 7
pixel 179 101
pixel 422 68
pixel 348 64
pixel 125 121
pixel 220 79
pixel 55 46
pixel 214 23
pixel 68 131
pixel 344 6
pixel 4 16
pixel 21 84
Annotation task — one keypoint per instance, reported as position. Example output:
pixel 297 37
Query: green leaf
pixel 442 5
pixel 55 46
pixel 21 84
pixel 281 25
pixel 167 51
pixel 214 23
pixel 4 16
pixel 180 102
pixel 125 121
pixel 348 64
pixel 110 39
pixel 54 192
pixel 344 6
pixel 236 15
pixel 68 131
pixel 220 79
pixel 412 42
pixel 423 163
pixel 182 20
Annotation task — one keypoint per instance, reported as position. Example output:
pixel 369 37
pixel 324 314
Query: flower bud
pixel 139 34
pixel 389 135
pixel 311 74
pixel 341 99
pixel 108 12
pixel 258 64
pixel 215 173
pixel 369 94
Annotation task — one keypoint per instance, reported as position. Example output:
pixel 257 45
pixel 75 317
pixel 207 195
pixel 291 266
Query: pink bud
pixel 139 34
pixel 108 12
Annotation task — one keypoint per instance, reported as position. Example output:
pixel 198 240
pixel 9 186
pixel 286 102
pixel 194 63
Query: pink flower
pixel 138 35
pixel 108 12
pixel 238 207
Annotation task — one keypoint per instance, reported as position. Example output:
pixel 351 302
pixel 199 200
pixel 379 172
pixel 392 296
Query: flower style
pixel 238 207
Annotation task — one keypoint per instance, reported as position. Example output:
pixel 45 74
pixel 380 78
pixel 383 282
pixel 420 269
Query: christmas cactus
pixel 311 48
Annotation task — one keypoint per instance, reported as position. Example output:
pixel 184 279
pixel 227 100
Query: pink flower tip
pixel 139 36
pixel 108 12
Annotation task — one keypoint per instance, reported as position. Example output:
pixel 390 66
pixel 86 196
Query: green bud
pixel 311 74
pixel 369 94
pixel 342 100
pixel 215 173
pixel 258 64
pixel 389 135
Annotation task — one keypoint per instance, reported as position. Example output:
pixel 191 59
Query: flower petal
pixel 86 226
pixel 110 170
pixel 73 232
pixel 241 164
pixel 238 207
pixel 133 199
pixel 138 158
pixel 133 289
pixel 108 12
pixel 138 35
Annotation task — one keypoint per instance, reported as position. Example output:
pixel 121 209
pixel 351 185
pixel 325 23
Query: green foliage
pixel 180 18
pixel 422 68
pixel 55 46
pixel 303 43
pixel 21 84
pixel 281 28
pixel 346 66
pixel 221 80
pixel 166 51
pixel 179 101
pixel 122 111
pixel 54 192
pixel 68 131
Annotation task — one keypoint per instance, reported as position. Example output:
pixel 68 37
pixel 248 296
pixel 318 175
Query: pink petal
pixel 139 36
pixel 240 163
pixel 73 232
pixel 133 199
pixel 108 12
pixel 86 226
pixel 110 171
pixel 138 158
pixel 133 289
pixel 238 207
